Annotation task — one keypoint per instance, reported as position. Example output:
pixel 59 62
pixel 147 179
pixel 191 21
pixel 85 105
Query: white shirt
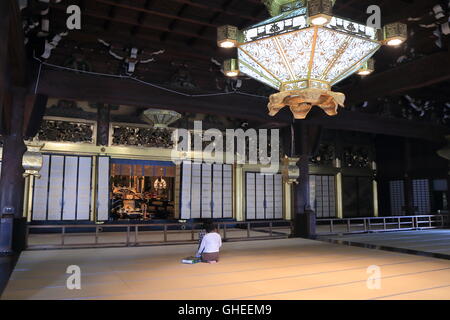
pixel 211 242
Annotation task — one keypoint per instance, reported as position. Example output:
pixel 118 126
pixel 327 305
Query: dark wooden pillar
pixel 103 120
pixel 409 194
pixel 4 35
pixel 12 180
pixel 306 142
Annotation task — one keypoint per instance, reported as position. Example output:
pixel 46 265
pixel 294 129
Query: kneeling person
pixel 210 245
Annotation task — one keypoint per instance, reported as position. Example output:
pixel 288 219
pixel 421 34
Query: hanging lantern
pixel 231 68
pixel 367 68
pixel 32 159
pixel 160 118
pixel 227 36
pixel 303 51
pixel 395 34
pixel 290 170
pixel 320 12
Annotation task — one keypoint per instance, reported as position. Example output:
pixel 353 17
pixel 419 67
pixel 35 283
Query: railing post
pixel 27 234
pixel 128 236
pixel 365 225
pixel 136 231
pixel 248 229
pixel 96 235
pixel 348 225
pixel 384 224
pixel 331 226
pixel 63 234
pixel 442 221
pixel 399 224
pixel 429 221
pixel 270 228
pixel 165 233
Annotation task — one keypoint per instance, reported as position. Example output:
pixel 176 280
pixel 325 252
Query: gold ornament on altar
pixel 304 50
pixel 160 184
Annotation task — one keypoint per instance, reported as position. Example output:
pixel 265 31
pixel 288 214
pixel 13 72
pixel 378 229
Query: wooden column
pixel 409 195
pixel 4 35
pixel 12 180
pixel 103 120
pixel 306 142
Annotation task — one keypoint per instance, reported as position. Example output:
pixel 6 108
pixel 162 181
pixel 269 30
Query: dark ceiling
pixel 186 30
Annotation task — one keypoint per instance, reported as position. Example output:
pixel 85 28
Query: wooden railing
pixel 378 224
pixel 134 233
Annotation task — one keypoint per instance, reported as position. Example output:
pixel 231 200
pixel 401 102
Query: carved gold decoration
pixel 301 101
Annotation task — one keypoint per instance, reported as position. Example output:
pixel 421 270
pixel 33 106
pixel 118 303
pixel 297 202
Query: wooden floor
pixel 273 269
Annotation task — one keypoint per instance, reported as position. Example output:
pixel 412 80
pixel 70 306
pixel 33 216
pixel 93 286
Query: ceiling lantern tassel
pixel 394 34
pixel 227 36
pixel 231 68
pixel 320 11
pixel 367 68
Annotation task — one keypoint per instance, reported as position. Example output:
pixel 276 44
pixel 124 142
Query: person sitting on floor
pixel 210 245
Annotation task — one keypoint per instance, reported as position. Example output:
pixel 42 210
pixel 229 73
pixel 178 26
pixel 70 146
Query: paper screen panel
pixel 186 191
pixel 70 188
pixel 217 191
pixel 195 192
pixel 260 197
pixel 206 187
pixel 40 192
pixel 55 192
pixel 278 196
pixel 103 189
pixel 250 196
pixel 227 191
pixel 269 192
pixel 84 188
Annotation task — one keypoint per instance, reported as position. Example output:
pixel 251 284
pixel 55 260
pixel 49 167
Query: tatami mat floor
pixel 272 269
pixel 433 241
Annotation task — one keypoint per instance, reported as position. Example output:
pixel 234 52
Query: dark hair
pixel 210 227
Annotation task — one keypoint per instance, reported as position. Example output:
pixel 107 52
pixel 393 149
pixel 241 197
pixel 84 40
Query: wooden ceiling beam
pixel 93 14
pixel 202 30
pixel 157 13
pixel 219 10
pixel 416 74
pixel 73 86
pixel 142 15
pixel 150 44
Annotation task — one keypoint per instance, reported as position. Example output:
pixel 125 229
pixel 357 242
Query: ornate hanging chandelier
pixel 303 50
pixel 160 118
